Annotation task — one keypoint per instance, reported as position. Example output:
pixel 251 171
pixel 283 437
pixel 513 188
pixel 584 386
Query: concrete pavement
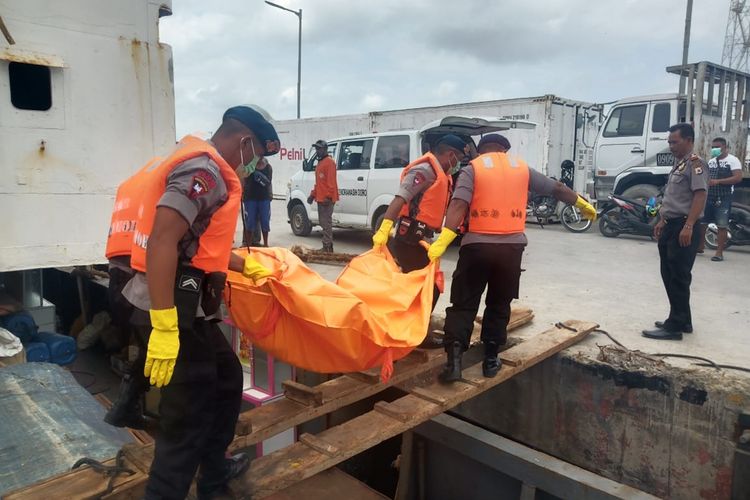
pixel 614 282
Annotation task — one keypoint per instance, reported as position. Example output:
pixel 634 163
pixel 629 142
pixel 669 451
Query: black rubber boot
pixel 128 409
pixel 491 364
pixel 452 370
pixel 236 465
pixel 433 340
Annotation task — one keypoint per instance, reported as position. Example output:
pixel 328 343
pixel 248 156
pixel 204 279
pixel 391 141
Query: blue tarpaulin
pixel 47 423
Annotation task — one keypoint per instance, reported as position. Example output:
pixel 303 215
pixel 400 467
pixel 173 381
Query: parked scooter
pixel 546 210
pixel 623 216
pixel 738 229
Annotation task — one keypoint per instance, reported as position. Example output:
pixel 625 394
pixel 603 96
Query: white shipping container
pixel 86 97
pixel 566 130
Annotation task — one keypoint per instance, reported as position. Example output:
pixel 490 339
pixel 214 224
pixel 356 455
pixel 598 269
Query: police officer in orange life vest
pixel 127 410
pixel 492 190
pixel 420 205
pixel 181 251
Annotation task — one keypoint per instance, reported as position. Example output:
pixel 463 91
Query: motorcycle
pixel 545 210
pixel 542 208
pixel 623 216
pixel 738 232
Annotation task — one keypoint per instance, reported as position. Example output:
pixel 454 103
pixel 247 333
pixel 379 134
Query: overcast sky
pixel 360 56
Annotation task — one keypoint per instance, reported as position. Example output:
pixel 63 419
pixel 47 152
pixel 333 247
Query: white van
pixel 369 168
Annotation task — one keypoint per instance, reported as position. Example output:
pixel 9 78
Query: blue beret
pixel 262 128
pixel 494 139
pixel 453 141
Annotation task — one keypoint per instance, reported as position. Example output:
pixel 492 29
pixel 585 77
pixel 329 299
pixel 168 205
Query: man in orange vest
pixel 186 217
pixel 492 190
pixel 420 205
pixel 325 192
pixel 127 410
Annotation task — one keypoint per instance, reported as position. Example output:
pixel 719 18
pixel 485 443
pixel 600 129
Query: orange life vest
pixel 433 203
pixel 125 213
pixel 501 185
pixel 215 244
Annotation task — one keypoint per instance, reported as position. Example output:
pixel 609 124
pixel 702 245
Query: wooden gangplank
pixel 315 453
pixel 301 404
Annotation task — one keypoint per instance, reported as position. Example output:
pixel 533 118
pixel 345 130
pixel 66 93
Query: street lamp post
pixel 297 13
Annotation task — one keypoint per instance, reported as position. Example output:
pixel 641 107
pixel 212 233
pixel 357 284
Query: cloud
pixel 446 89
pixel 372 101
pixel 362 56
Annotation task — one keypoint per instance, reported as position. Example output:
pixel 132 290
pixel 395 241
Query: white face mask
pixel 246 169
pixel 456 166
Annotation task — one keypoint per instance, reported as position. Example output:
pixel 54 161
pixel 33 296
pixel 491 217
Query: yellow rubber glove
pixel 163 346
pixel 440 245
pixel 587 209
pixel 381 237
pixel 255 270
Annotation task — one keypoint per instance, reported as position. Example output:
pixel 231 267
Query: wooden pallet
pixel 301 404
pixel 315 453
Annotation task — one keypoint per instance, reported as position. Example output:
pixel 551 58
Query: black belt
pixel 413 231
pixel 674 220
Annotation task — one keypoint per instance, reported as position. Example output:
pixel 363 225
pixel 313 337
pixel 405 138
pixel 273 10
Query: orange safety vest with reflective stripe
pixel 433 203
pixel 125 213
pixel 215 244
pixel 501 185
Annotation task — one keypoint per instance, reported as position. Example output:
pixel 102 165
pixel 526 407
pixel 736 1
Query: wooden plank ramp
pixel 301 404
pixel 313 454
pixel 266 421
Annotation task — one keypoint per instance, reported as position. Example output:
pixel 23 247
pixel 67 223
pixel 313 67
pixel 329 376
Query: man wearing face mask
pixel 419 205
pixel 491 193
pixel 189 203
pixel 325 192
pixel 724 171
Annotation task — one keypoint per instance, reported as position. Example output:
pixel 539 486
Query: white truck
pixel 632 156
pixel 565 130
pixel 369 167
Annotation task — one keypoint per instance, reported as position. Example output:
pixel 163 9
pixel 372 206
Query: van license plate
pixel 664 160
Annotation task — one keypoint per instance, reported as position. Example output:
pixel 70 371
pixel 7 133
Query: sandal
pixel 717 258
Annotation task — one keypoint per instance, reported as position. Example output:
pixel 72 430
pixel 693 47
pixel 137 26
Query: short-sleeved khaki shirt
pixel 688 176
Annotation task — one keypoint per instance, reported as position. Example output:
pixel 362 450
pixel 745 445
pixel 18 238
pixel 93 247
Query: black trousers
pixel 411 257
pixel 199 410
pixel 496 266
pixel 676 272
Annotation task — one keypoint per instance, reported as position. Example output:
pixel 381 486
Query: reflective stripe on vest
pixel 433 202
pixel 125 213
pixel 215 244
pixel 501 185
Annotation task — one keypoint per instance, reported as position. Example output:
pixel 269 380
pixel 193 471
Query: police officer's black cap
pixel 262 128
pixel 452 141
pixel 498 139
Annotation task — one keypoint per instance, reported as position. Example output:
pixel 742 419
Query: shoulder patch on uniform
pixel 698 170
pixel 419 178
pixel 202 183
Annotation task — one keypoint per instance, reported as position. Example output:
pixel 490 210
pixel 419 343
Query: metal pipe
pixel 686 43
pixel 297 13
pixel 299 64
